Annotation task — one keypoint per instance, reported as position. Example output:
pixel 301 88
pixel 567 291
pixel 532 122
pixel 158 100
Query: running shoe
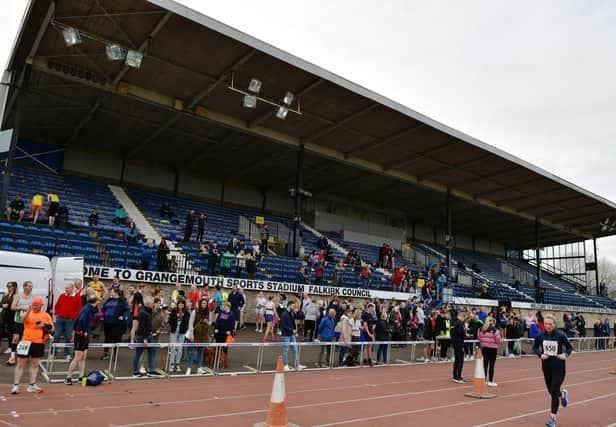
pixel 15 389
pixel 68 381
pixel 564 398
pixel 492 384
pixel 551 422
pixel 34 388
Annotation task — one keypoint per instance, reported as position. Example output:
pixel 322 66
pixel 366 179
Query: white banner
pixel 146 276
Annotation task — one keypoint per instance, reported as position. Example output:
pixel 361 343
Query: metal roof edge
pixel 269 49
pixel 20 32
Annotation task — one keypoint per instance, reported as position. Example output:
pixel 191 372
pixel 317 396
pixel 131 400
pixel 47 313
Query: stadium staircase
pixel 146 228
pixel 310 241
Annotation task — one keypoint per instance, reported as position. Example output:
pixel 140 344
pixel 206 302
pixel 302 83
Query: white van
pixel 48 277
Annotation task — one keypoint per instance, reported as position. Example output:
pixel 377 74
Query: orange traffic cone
pixel 277 414
pixel 480 388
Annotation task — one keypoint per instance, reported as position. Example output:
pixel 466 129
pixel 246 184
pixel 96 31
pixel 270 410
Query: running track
pixel 384 396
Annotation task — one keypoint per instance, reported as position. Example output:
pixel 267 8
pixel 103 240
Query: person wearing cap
pixel 38 325
pixel 81 337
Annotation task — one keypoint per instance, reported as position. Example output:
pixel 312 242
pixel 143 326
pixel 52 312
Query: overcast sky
pixel 536 79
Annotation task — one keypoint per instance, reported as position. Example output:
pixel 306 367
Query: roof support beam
pixel 577 214
pixel 376 144
pixel 263 117
pixel 488 192
pixel 194 101
pixel 256 165
pixel 113 14
pixel 328 129
pixel 229 138
pixel 82 123
pixel 528 195
pixel 543 203
pixel 166 103
pixel 457 166
pixel 404 161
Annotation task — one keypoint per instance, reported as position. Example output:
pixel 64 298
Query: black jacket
pixel 144 329
pixel 458 333
pixel 173 321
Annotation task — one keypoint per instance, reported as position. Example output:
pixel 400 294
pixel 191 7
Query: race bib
pixel 23 348
pixel 550 348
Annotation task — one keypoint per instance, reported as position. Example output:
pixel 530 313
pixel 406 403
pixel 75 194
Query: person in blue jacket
pixel 326 333
pixel 553 347
pixel 81 337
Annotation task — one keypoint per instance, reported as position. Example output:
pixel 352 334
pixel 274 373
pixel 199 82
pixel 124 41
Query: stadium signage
pixel 131 275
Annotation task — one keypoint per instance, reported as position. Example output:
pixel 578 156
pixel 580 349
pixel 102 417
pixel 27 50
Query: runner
pixel 21 303
pixel 81 338
pixel 37 327
pixel 553 347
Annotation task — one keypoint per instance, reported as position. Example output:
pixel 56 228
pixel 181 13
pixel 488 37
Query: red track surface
pixel 421 395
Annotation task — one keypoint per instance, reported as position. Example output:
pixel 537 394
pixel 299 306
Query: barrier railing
pixel 210 359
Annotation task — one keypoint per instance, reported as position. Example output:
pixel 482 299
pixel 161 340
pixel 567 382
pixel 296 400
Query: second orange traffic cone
pixel 480 388
pixel 277 415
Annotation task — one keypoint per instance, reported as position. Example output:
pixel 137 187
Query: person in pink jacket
pixel 489 339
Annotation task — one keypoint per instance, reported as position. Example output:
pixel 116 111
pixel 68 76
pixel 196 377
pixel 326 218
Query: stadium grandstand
pixel 198 116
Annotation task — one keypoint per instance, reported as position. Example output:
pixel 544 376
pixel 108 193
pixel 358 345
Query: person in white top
pixel 270 310
pixel 260 310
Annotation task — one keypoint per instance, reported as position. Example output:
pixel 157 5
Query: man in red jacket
pixel 67 309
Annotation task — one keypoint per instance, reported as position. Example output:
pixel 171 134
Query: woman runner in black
pixel 553 347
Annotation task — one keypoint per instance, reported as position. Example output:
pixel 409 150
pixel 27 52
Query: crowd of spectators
pixel 57 214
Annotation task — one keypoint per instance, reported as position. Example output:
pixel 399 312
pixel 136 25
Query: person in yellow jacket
pixel 36 205
pixel 52 210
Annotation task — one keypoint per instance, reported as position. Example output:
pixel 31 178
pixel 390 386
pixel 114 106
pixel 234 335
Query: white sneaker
pixel 15 389
pixel 188 371
pixel 511 356
pixel 257 330
pixel 286 368
pixel 201 371
pixel 300 367
pixel 68 357
pixel 492 384
pixel 34 388
pixel 142 371
pixel 7 351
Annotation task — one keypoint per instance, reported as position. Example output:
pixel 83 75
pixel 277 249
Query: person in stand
pixel 190 222
pixel 15 211
pixel 553 347
pixel 36 206
pixel 165 212
pixel 37 326
pixel 81 338
pixel 265 235
pixel 458 335
pixel 93 218
pixel 52 210
pixel 162 256
pixel 201 227
pixel 489 340
pixel 119 216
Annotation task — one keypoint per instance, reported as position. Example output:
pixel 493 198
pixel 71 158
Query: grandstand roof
pixel 358 144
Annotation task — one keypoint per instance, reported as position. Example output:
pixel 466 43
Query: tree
pixel 607 275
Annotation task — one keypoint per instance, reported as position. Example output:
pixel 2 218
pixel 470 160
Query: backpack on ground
pixel 95 378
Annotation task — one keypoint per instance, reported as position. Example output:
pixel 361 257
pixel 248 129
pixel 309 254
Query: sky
pixel 535 79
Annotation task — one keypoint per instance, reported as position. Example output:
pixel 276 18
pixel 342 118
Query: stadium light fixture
pixel 71 36
pixel 115 52
pixel 255 85
pixel 134 58
pixel 288 99
pixel 250 101
pixel 282 112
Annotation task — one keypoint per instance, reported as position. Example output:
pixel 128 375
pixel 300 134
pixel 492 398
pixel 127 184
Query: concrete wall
pixel 100 165
pixel 204 187
pixel 149 175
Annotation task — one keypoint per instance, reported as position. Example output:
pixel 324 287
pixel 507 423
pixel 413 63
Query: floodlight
pixel 115 52
pixel 281 112
pixel 71 36
pixel 288 98
pixel 134 58
pixel 250 101
pixel 255 85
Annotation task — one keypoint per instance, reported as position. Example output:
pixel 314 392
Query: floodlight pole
pixel 538 252
pixel 594 246
pixel 299 184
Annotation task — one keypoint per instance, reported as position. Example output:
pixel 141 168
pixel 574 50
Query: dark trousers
pixel 554 376
pixel 489 359
pixel 382 353
pixel 458 364
pixel 200 234
pixel 444 348
pixel 309 332
pixel 113 333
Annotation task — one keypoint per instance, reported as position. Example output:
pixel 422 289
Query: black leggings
pixel 458 363
pixel 554 376
pixel 489 359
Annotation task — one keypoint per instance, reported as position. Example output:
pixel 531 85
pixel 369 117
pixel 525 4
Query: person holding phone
pixel 489 340
pixel 553 347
